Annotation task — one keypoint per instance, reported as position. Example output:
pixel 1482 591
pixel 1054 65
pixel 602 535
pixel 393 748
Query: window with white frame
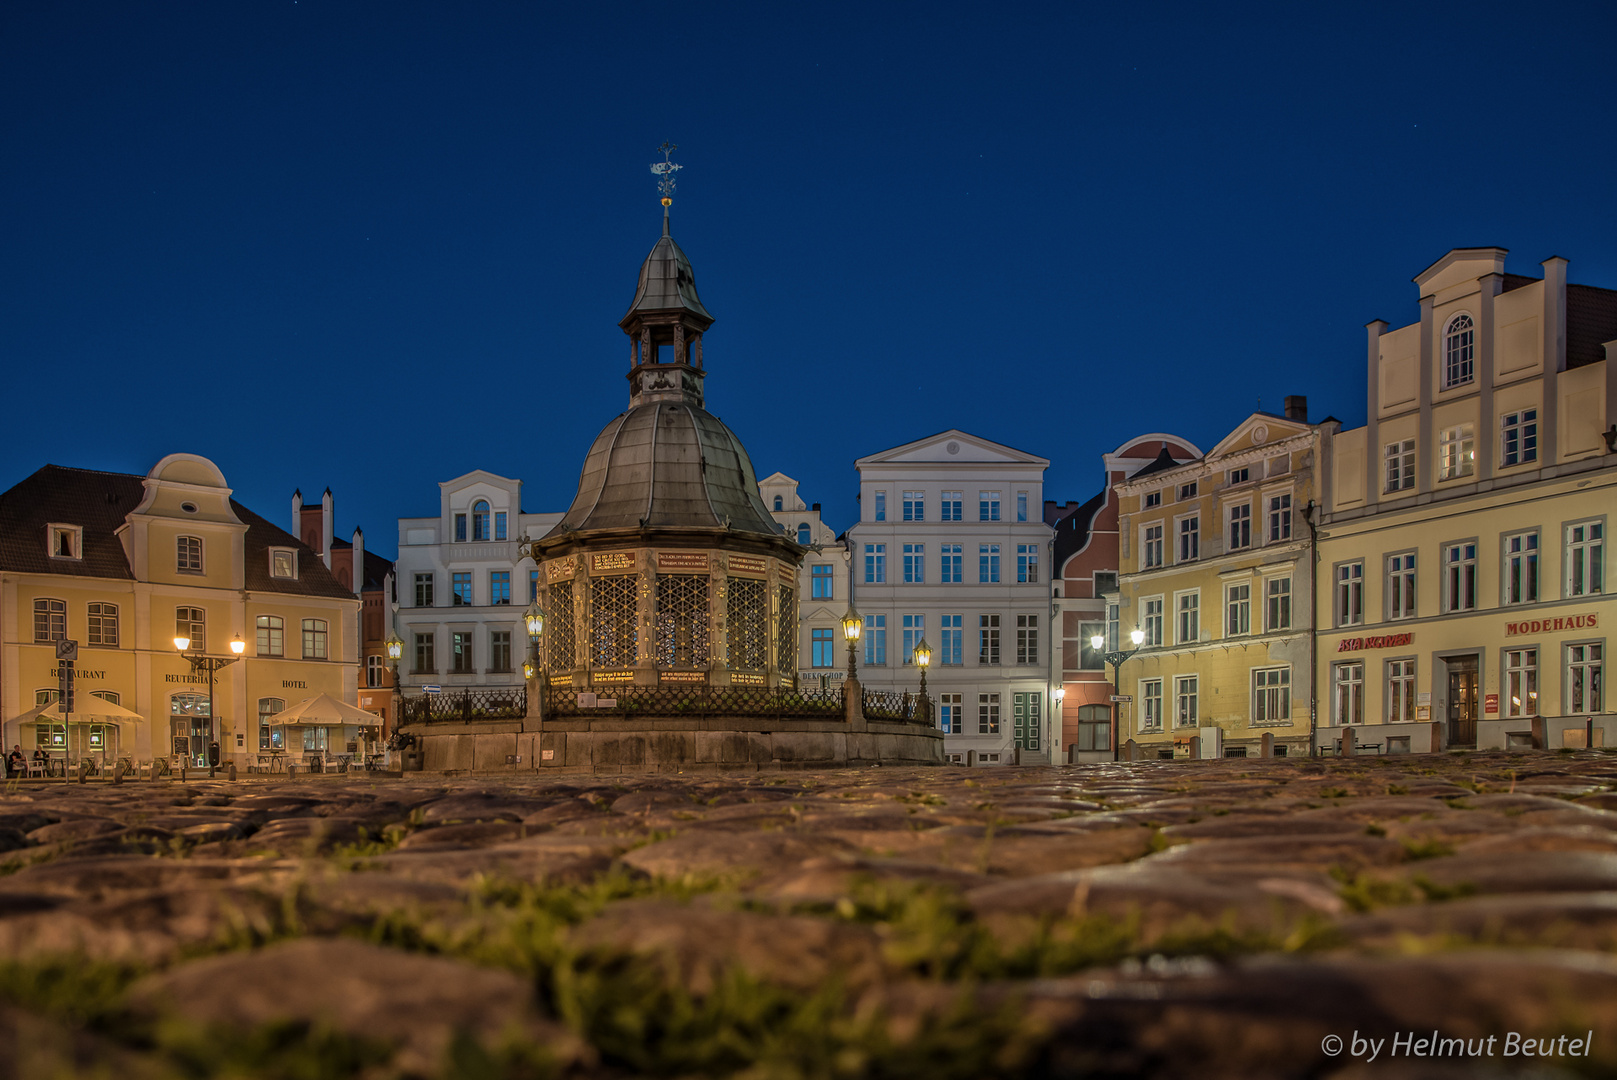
pixel 283 563
pixel 914 627
pixel 499 587
pixel 1186 712
pixel 423 590
pixel 1150 499
pixel 1518 438
pixel 1239 533
pixel 1521 567
pixel 875 564
pixel 949 710
pixel 1188 617
pixel 1460 576
pixel 314 639
pixel 988 714
pixel 805 534
pixel 50 619
pixel 952 559
pixel 1459 351
pixel 1094 727
pixel 480 521
pixel 1347 693
pixel 101 624
pixel 1188 491
pixel 914 564
pixel 66 541
pixel 460 653
pixel 822 646
pixel 988 564
pixel 914 506
pixel 1151 620
pixel 1400 691
pixel 1277 604
pixel 987 506
pixel 1151 546
pixel 949 505
pixel 1279 518
pixel 1585 558
pixel 191 623
pixel 374 669
pixel 875 640
pixel 1189 538
pixel 1399 460
pixel 820 581
pixel 425 655
pixel 1240 476
pixel 1238 609
pixel 499 524
pixel 1350 594
pixel 1521 682
pixel 1401 586
pixel 271 635
pixel 188 554
pixel 499 650
pixel 1113 622
pixel 269 738
pixel 1150 704
pixel 1027 563
pixel 1271 695
pixel 1027 639
pixel 951 629
pixel 1456 452
pixel 1585 677
pixel 988 639
pixel 881 506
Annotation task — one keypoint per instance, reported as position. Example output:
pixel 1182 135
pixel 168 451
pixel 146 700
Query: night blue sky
pixel 375 246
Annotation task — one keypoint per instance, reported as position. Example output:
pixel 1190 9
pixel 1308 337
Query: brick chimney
pixel 1297 407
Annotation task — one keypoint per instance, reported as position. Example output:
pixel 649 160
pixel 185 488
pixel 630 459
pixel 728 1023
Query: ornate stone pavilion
pixel 667 568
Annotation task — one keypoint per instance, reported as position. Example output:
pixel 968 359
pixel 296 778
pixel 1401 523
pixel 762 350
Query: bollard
pixel 183 771
pixel 1267 747
pixel 232 770
pixel 1348 742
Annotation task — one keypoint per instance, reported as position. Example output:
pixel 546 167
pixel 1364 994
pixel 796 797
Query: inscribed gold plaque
pixel 612 560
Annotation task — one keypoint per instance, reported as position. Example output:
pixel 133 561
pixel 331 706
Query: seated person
pixel 16 763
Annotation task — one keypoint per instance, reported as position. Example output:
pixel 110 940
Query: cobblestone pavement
pixel 1166 919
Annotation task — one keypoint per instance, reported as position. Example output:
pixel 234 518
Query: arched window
pixel 780 504
pixel 803 533
pixel 111 697
pixel 188 555
pixel 480 520
pixel 1459 351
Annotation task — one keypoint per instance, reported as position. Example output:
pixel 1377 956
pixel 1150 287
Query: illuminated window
pixel 1459 351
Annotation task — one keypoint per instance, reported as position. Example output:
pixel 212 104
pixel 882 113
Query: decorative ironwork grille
pixel 747 616
pixel 890 705
pixel 678 701
pixel 612 621
pixel 464 706
pixel 559 629
pixel 786 631
pixel 682 631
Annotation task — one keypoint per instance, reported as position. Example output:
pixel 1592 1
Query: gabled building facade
pixel 822 582
pixel 951 547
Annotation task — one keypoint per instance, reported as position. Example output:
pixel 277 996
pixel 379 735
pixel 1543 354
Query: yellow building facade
pixel 121 565
pixel 1215 555
pixel 1464 585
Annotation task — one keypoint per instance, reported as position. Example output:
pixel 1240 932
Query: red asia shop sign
pixel 1385 641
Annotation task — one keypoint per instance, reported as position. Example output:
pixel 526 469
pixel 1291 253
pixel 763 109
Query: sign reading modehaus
pixel 1384 641
pixel 1550 626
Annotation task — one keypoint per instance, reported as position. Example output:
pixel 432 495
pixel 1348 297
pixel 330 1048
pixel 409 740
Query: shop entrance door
pixel 1463 701
pixel 1027 717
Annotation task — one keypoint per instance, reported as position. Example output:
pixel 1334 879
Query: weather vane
pixel 665 170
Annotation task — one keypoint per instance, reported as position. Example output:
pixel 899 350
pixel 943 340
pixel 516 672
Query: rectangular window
pixel 102 624
pixel 314 639
pixel 915 506
pixel 1280 518
pixel 1094 727
pixel 914 564
pixel 1187 491
pixel 988 639
pixel 1399 461
pixel 1401 586
pixel 1189 538
pixel 50 620
pixel 1150 704
pixel 875 564
pixel 951 650
pixel 1521 568
pixel 423 590
pixel 1027 563
pixel 1518 443
pixel 269 738
pixel 1238 610
pixel 1460 577
pixel 1189 617
pixel 460 528
pixel 1151 621
pixel 1585 558
pixel 881 506
pixel 1277 604
pixel 1585 677
pixel 499 524
pixel 1152 498
pixel 1240 476
pixel 987 506
pixel 460 653
pixel 951 570
pixel 66 542
pixel 499 587
pixel 988 714
pixel 1521 682
pixel 1185 692
pixel 1021 506
pixel 822 648
pixel 1350 594
pixel 1347 693
pixel 1240 530
pixel 283 563
pixel 460 589
pixel 949 507
pixel 499 650
pixel 425 659
pixel 1457 452
pixel 914 630
pixel 820 582
pixel 271 635
pixel 1271 694
pixel 188 555
pixel 533 585
pixel 1089 657
pixel 1112 623
pixel 876 640
pixel 1027 639
pixel 988 563
pixel 1151 546
pixel 1400 691
pixel 191 622
pixel 375 667
pixel 949 709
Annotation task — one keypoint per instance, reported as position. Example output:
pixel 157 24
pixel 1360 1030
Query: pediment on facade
pixel 1259 429
pixel 479 476
pixel 954 447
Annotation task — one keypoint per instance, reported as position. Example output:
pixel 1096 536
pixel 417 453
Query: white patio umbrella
pixel 323 710
pixel 89 709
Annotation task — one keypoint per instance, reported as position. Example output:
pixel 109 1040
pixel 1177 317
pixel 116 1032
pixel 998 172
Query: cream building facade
pixel 822 583
pixel 1217 573
pixel 1464 540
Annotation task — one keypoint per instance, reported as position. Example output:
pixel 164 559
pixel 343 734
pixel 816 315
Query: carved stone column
pixel 679 344
pixel 645 617
pixel 718 634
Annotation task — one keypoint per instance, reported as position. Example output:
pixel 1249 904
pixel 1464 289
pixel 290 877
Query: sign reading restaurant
pixel 1550 626
pixel 1384 641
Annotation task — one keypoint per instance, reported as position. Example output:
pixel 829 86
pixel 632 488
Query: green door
pixel 1028 719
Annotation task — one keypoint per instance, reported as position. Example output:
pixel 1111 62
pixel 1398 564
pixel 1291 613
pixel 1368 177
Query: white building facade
pixel 822 583
pixel 950 547
pixel 463 586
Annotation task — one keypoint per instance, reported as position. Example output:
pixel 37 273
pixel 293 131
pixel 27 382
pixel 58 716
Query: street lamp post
pixel 923 660
pixel 395 652
pixel 533 666
pixel 1098 642
pixel 852 626
pixel 200 661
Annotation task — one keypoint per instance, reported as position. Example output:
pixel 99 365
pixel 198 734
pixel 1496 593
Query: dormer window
pixel 283 563
pixel 1459 351
pixel 480 521
pixel 66 541
pixel 1240 476
pixel 188 554
pixel 1152 498
pixel 1187 491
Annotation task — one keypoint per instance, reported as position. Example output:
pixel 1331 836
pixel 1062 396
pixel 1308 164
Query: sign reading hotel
pixel 1384 641
pixel 1550 626
pixel 612 560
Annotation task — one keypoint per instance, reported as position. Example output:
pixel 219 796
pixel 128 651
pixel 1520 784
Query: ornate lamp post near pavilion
pixel 1098 642
pixel 395 652
pixel 923 660
pixel 852 626
pixel 533 667
pixel 200 661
